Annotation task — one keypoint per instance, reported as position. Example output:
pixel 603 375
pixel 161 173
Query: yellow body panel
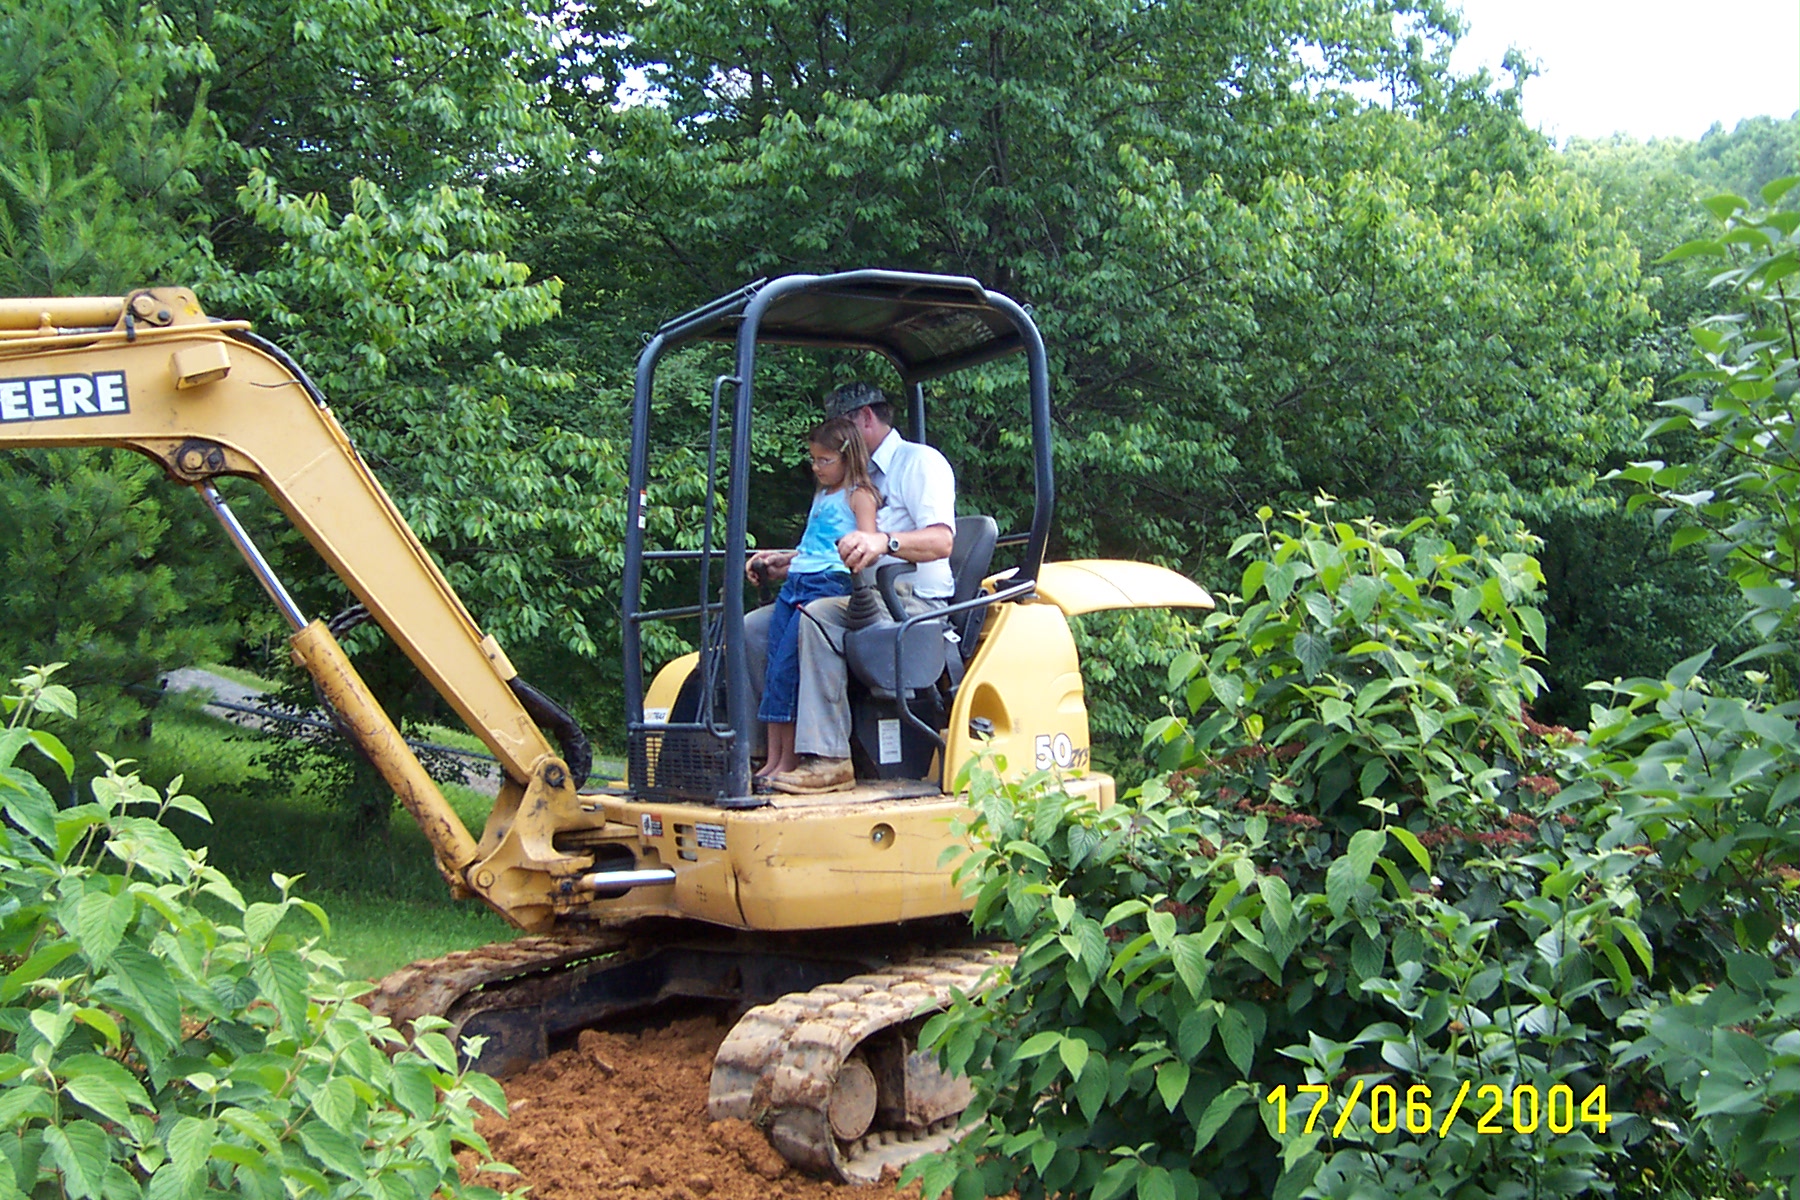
pixel 660 696
pixel 1097 584
pixel 838 861
pixel 1024 682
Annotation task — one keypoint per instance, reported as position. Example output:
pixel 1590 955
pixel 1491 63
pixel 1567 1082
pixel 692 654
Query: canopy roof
pixel 926 326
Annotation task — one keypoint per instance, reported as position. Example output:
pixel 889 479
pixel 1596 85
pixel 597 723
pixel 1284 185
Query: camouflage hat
pixel 841 402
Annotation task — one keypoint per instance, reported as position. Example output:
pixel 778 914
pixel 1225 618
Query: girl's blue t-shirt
pixel 829 520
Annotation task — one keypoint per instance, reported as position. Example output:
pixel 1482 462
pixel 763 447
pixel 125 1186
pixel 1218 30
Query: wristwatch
pixel 893 544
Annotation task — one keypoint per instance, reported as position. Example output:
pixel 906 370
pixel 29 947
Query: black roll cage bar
pixel 821 311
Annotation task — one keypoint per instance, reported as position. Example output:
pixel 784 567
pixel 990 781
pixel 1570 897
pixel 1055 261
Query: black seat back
pixel 970 558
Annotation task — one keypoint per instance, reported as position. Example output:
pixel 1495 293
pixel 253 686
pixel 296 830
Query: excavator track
pixel 833 1077
pixel 439 986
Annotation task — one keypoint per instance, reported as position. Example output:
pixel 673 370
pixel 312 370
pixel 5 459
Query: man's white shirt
pixel 918 490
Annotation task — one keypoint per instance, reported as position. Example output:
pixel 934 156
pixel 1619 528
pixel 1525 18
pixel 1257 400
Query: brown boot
pixel 815 775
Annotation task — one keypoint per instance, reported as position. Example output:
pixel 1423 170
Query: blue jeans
pixel 781 682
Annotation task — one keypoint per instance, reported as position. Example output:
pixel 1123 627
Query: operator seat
pixel 930 664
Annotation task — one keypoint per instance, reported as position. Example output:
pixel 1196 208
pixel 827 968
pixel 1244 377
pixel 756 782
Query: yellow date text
pixel 1386 1108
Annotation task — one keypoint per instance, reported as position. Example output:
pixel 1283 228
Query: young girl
pixel 845 500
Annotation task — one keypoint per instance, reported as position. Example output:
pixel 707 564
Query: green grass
pixel 387 903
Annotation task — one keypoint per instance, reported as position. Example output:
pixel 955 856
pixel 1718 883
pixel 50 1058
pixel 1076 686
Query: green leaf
pixel 282 978
pixel 1313 650
pixel 1155 1184
pixel 1360 594
pixel 1171 1083
pixel 143 983
pixel 41 963
pixel 1229 689
pixel 28 804
pixel 20 1103
pixel 1775 189
pixel 1115 1179
pixel 1635 937
pixel 1414 846
pixel 1533 622
pixel 101 1022
pixel 190 1144
pixel 1039 1043
pixel 1365 847
pixel 1196 1031
pixel 1217 1113
pixel 51 747
pixel 104 1086
pixel 336 1151
pixel 1234 1035
pixel 1074 1054
pixel 1464 602
pixel 1091 1089
pixel 1341 882
pixel 1183 667
pixel 1700 246
pixel 1335 712
pixel 11 742
pixel 80 1151
pixel 417 1093
pixel 487 1090
pixel 336 1104
pixel 1298 1177
pixel 100 923
pixel 1188 953
pixel 168 1183
pixel 1277 898
pixel 1162 927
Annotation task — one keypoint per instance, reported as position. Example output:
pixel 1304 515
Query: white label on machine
pixel 651 825
pixel 52 396
pixel 710 837
pixel 888 732
pixel 656 716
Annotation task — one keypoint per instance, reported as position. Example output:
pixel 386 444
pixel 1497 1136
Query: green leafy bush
pixel 1363 868
pixel 1710 780
pixel 162 1039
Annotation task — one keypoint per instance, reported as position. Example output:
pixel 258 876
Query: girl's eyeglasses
pixel 824 462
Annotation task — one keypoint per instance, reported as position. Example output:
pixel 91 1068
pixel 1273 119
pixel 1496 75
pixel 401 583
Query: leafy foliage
pixel 109 568
pixel 160 1038
pixel 1742 498
pixel 1712 779
pixel 1364 867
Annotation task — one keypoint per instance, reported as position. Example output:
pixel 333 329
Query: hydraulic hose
pixel 578 754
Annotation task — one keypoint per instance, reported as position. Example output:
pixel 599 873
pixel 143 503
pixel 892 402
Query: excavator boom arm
pixel 153 373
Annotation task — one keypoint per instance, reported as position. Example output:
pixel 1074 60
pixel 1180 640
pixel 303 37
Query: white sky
pixel 1648 68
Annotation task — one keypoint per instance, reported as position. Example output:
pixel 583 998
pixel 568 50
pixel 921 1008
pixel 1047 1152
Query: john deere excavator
pixel 830 922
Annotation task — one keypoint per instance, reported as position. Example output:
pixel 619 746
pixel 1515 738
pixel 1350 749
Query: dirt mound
pixel 623 1117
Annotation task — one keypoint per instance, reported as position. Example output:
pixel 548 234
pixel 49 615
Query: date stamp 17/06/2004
pixel 1493 1110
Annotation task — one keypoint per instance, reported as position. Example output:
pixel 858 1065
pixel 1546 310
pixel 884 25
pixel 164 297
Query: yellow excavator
pixel 830 922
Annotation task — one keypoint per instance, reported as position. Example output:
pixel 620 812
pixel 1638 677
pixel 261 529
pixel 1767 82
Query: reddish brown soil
pixel 623 1117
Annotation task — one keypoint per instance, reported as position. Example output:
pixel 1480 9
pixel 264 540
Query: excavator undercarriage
pixel 825 1059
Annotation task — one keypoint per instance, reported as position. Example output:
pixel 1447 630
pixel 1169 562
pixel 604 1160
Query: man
pixel 916 523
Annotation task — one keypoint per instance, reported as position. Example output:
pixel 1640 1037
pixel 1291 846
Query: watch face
pixel 893 544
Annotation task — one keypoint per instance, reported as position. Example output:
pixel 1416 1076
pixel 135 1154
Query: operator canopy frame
pixel 927 326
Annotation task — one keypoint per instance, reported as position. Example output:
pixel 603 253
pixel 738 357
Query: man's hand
pixel 769 566
pixel 862 548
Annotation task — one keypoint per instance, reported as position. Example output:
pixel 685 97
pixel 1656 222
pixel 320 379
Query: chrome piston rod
pixel 259 566
pixel 613 881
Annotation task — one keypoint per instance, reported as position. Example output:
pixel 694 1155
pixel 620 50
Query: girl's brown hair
pixel 840 436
